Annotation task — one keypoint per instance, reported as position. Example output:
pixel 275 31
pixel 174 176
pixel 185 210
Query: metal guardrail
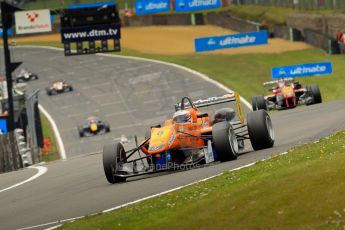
pixel 301 4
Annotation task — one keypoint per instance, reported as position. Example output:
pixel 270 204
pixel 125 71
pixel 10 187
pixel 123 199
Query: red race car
pixel 287 93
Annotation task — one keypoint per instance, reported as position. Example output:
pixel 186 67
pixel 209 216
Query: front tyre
pixel 260 130
pixel 113 155
pixel 258 102
pixel 225 141
pixel 314 91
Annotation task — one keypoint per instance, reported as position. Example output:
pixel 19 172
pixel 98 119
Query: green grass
pixel 48 133
pixel 303 189
pixel 245 73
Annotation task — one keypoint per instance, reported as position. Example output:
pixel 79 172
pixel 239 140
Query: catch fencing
pixel 300 4
pixel 9 154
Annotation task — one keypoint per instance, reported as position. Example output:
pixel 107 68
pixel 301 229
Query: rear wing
pixel 270 83
pixel 230 97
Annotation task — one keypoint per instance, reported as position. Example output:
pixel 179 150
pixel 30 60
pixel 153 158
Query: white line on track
pixel 145 198
pixel 41 170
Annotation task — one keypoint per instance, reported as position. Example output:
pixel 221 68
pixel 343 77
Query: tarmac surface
pixel 131 95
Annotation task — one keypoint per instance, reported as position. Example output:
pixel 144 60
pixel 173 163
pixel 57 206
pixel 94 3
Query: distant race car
pixel 59 87
pixel 25 76
pixel 287 93
pixel 93 127
pixel 190 138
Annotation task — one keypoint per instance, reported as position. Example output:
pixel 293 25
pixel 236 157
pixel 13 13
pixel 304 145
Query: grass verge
pixel 53 153
pixel 300 190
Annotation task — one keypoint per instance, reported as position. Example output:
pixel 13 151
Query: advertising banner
pixel 90 33
pixel 151 6
pixel 34 21
pixel 196 5
pixel 231 41
pixel 302 70
pixel 9 32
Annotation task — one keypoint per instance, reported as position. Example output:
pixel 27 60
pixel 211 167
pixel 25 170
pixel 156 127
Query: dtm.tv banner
pixel 151 6
pixel 195 5
pixel 231 41
pixel 302 70
pixel 91 33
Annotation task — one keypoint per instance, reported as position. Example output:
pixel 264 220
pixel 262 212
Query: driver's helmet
pixel 182 116
pixel 92 120
pixel 281 83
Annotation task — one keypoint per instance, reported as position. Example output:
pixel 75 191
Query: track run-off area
pixel 131 94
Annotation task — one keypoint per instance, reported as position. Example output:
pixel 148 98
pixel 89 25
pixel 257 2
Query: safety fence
pixel 9 154
pixel 225 20
pixel 300 4
pixel 167 19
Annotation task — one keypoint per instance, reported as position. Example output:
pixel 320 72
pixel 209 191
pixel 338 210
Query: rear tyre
pixel 225 141
pixel 81 132
pixel 34 76
pixel 113 155
pixel 314 91
pixel 259 102
pixel 49 93
pixel 260 130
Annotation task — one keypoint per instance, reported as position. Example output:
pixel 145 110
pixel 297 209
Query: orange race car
pixel 189 139
pixel 286 94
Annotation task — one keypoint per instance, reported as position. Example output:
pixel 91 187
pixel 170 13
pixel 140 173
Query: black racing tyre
pixel 49 93
pixel 314 91
pixel 107 128
pixel 113 155
pixel 70 88
pixel 81 132
pixel 53 92
pixel 259 102
pixel 225 141
pixel 260 130
pixel 34 76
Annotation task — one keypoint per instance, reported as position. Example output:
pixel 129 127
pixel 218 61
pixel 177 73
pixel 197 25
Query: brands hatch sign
pixel 303 70
pixel 35 21
pixel 151 6
pixel 231 41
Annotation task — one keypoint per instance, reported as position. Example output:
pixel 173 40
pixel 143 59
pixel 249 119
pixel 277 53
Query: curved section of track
pixel 131 95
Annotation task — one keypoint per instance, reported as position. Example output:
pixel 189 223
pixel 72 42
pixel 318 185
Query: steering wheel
pixel 184 99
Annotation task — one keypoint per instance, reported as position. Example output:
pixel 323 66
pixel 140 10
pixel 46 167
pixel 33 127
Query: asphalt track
pixel 131 95
pixel 77 186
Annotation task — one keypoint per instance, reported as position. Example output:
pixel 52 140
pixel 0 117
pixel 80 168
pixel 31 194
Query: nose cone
pixel 93 127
